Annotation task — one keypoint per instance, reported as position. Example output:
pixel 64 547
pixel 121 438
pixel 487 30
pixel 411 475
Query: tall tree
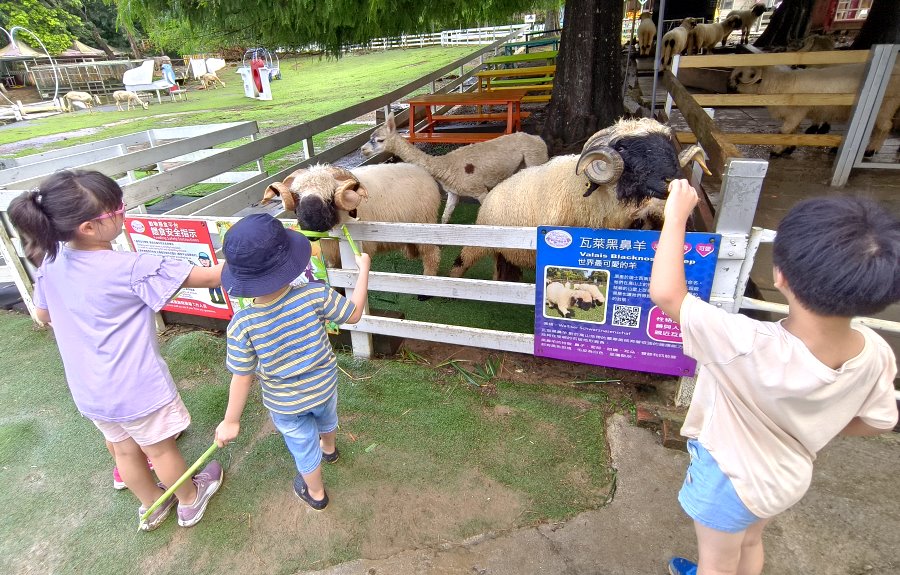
pixel 588 87
pixel 882 26
pixel 789 23
pixel 50 22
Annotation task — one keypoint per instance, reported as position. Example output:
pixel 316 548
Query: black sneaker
pixel 303 493
pixel 331 457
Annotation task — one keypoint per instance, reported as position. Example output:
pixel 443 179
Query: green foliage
pixel 330 25
pixel 51 23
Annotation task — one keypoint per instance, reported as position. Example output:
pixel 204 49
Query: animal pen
pixel 199 161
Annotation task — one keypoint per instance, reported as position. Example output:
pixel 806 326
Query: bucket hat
pixel 261 256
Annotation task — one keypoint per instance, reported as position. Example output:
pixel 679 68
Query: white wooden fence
pixel 462 37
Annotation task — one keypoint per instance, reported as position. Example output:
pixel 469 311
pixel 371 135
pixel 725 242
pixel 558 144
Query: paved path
pixel 847 523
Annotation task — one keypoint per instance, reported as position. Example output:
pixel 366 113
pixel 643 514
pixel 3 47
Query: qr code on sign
pixel 626 315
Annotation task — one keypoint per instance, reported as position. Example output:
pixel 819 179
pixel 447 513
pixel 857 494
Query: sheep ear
pixel 601 164
pixel 694 154
pixel 347 196
pixel 390 123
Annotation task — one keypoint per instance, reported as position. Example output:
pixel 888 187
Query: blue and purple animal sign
pixel 593 302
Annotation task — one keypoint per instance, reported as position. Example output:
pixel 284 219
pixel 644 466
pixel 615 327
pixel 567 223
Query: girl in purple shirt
pixel 102 303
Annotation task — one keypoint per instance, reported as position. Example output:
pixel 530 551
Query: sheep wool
pixel 646 34
pixel 469 171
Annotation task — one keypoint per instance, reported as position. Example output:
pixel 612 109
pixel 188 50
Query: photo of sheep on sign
pixel 576 294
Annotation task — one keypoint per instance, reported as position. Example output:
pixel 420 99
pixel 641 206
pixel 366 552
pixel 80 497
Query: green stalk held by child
pixel 101 305
pixel 768 395
pixel 281 338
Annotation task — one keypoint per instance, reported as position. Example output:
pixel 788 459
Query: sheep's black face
pixel 314 214
pixel 650 164
pixel 584 305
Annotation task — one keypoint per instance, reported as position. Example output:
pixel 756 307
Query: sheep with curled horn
pixel 325 196
pixel 620 180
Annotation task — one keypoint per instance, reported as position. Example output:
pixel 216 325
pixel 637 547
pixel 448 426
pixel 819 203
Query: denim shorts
pixel 709 497
pixel 301 432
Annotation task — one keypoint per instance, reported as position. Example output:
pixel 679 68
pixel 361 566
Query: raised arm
pixel 668 287
pixel 202 277
pixel 361 289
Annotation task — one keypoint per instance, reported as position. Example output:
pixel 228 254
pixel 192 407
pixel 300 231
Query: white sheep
pixel 704 37
pixel 748 18
pixel 646 34
pixel 562 298
pixel 210 80
pixel 831 80
pixel 597 297
pixel 675 41
pixel 620 178
pixel 129 98
pixel 87 100
pixel 324 196
pixel 469 171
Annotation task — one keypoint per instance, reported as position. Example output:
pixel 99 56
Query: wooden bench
pixel 486 117
pixel 548 55
pixel 486 78
pixel 530 88
pixel 521 81
pixel 508 49
pixel 452 137
pixel 536 98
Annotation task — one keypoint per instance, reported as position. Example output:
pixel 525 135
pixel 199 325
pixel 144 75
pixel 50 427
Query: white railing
pixel 462 37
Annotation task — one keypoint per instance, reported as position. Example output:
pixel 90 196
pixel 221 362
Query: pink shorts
pixel 162 424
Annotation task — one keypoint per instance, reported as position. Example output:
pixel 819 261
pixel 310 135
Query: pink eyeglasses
pixel 118 212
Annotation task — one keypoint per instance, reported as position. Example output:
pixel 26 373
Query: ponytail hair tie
pixel 37 196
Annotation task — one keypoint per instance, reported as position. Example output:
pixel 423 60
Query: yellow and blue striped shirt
pixel 285 342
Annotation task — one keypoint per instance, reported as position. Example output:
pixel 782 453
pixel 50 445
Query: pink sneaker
pixel 118 483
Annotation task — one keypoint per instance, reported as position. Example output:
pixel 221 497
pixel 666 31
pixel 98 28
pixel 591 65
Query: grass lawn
pixel 426 458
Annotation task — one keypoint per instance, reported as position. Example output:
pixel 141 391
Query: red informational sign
pixel 186 240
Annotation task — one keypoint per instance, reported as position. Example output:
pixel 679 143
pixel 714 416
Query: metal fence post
pixel 862 118
pixel 742 182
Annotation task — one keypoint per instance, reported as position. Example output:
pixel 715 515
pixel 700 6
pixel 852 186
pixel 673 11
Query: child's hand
pixel 363 262
pixel 681 201
pixel 226 433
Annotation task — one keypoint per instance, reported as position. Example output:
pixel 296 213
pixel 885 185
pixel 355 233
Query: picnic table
pixel 510 48
pixel 510 99
pixel 547 55
pixel 505 78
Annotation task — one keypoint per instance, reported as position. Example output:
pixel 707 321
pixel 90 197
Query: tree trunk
pixel 587 90
pixel 135 48
pixel 95 34
pixel 789 23
pixel 551 20
pixel 882 26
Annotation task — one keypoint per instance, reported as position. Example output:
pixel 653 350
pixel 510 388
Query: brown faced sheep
pixel 87 100
pixel 831 80
pixel 748 18
pixel 129 98
pixel 469 171
pixel 646 34
pixel 675 41
pixel 326 196
pixel 209 80
pixel 621 177
pixel 704 37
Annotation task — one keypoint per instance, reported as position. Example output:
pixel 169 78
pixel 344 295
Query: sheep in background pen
pixel 748 19
pixel 620 180
pixel 469 171
pixel 563 297
pixel 83 98
pixel 129 98
pixel 841 79
pixel 704 37
pixel 324 196
pixel 675 41
pixel 646 34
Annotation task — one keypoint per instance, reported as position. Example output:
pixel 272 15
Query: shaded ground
pixel 846 524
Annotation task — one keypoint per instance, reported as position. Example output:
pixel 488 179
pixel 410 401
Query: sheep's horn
pixel 601 165
pixel 695 154
pixel 348 195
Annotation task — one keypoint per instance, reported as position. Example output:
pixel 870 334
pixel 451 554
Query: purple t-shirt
pixel 102 306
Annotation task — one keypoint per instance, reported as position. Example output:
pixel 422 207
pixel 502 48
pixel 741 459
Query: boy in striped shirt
pixel 281 338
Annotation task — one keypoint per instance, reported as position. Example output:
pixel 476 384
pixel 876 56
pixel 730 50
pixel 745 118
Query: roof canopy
pixel 19 51
pixel 80 49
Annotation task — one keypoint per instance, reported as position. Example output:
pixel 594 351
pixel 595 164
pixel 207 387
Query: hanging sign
pixel 186 240
pixel 593 302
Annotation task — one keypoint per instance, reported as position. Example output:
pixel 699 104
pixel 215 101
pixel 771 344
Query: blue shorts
pixel 709 497
pixel 301 432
